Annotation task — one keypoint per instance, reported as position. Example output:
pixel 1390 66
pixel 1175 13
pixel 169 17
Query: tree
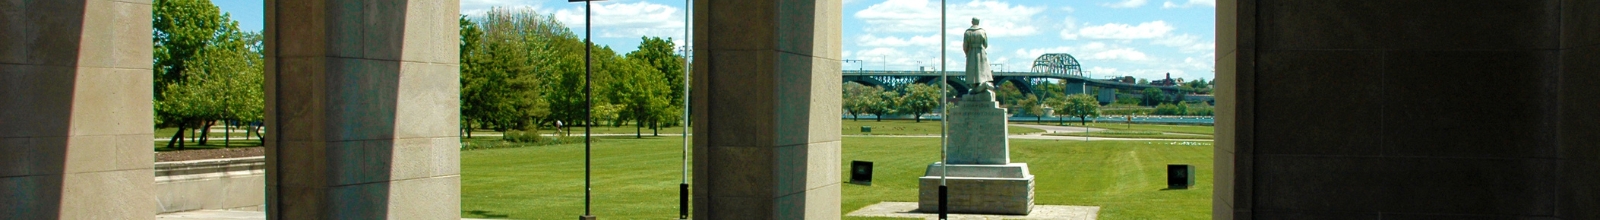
pixel 206 69
pixel 641 95
pixel 885 104
pixel 1153 96
pixel 1007 93
pixel 665 65
pixel 1032 105
pixel 857 99
pixel 919 99
pixel 509 57
pixel 659 55
pixel 1082 106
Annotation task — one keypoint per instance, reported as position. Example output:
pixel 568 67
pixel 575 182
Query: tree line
pixel 523 70
pixel 920 99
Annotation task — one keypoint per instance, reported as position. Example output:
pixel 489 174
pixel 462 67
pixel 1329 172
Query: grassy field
pixel 162 137
pixel 638 178
pixel 908 127
pixel 1187 129
pixel 1134 134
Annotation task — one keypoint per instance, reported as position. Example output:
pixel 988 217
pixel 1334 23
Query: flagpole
pixel 944 116
pixel 683 187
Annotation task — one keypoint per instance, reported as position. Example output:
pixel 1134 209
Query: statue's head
pixel 974 21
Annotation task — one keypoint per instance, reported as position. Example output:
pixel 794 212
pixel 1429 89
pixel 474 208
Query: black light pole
pixel 588 104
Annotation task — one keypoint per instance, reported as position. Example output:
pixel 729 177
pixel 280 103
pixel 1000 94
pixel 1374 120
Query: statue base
pixel 978 131
pixel 978 189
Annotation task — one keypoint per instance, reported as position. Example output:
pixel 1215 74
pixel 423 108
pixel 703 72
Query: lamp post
pixel 588 104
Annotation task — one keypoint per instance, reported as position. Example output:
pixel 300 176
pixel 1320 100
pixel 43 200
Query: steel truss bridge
pixel 1047 67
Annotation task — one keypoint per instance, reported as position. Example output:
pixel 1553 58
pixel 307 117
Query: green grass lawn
pixel 1187 129
pixel 908 127
pixel 163 135
pixel 638 178
pixel 1134 134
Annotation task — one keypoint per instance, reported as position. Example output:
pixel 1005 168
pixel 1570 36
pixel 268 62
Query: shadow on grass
pixel 487 214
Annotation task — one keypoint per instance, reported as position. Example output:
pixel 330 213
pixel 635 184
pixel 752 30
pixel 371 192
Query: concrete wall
pixel 75 128
pixel 363 104
pixel 218 184
pixel 767 141
pixel 1354 109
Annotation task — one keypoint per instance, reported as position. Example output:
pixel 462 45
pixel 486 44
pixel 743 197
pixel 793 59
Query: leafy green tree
pixel 640 92
pixel 660 55
pixel 1153 96
pixel 919 99
pixel 857 99
pixel 1007 93
pixel 206 69
pixel 1082 106
pixel 509 57
pixel 1031 105
pixel 886 103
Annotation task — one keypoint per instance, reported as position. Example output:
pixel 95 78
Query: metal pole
pixel 588 106
pixel 683 187
pixel 944 117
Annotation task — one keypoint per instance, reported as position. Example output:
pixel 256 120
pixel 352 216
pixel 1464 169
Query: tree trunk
pixel 918 117
pixel 205 131
pixel 638 129
pixel 177 138
pixel 655 129
pixel 880 117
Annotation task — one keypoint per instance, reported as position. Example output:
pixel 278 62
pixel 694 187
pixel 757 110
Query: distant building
pixel 1165 82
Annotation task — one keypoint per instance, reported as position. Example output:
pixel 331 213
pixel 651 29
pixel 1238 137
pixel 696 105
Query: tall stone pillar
pixel 362 113
pixel 766 74
pixel 75 128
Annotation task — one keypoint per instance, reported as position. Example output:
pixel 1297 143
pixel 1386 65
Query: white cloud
pixel 1185 43
pixel 478 7
pixel 1089 51
pixel 627 20
pixel 1069 29
pixel 1101 72
pixel 1191 3
pixel 1145 30
pixel 1126 4
pixel 999 19
pixel 868 40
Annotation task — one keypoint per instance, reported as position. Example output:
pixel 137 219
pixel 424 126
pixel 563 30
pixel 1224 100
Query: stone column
pixel 75 112
pixel 766 102
pixel 362 109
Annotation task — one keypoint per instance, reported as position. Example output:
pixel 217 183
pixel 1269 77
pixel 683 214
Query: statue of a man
pixel 974 44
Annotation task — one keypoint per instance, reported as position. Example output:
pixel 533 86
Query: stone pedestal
pixel 981 177
pixel 978 131
pixel 979 189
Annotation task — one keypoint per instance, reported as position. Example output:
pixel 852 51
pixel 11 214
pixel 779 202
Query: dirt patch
pixel 203 154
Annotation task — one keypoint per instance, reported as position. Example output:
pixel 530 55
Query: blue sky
pixel 1140 38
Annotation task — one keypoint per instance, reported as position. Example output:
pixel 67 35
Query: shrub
pixel 1169 109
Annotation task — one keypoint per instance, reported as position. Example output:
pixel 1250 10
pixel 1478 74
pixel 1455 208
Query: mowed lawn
pixel 909 127
pixel 638 178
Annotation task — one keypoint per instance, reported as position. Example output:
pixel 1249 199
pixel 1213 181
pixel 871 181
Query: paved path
pixel 906 210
